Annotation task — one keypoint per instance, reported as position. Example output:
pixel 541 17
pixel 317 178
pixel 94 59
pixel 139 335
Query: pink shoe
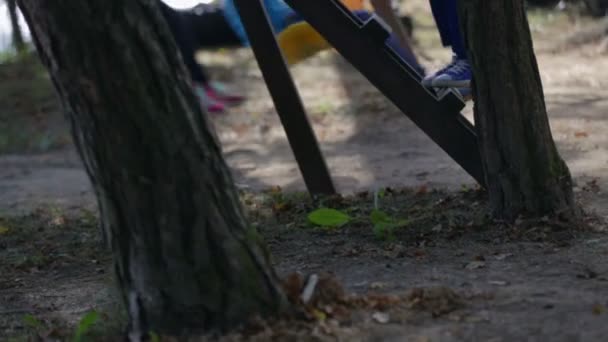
pixel 219 92
pixel 216 108
pixel 208 103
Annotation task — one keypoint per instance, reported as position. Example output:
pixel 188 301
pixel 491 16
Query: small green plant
pixel 84 326
pixel 88 217
pixel 326 217
pixel 385 225
pixel 381 193
pixel 33 322
pixel 278 201
pixel 39 260
pixel 12 56
pixel 153 337
pixel 4 229
pixel 34 328
pixel 324 108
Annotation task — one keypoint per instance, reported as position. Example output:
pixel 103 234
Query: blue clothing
pixel 278 12
pixel 281 16
pixel 219 25
pixel 393 43
pixel 446 17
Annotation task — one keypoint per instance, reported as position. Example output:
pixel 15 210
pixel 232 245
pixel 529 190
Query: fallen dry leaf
pixel 422 190
pixel 328 290
pixel 482 316
pixel 281 207
pixel 502 256
pixel 479 258
pixel 240 129
pixel 293 285
pixel 498 282
pixel 437 300
pixel 381 317
pixel 438 228
pixel 419 253
pixel 375 302
pixel 377 285
pixel 473 265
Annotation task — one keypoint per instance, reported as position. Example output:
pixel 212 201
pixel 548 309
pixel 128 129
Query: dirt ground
pixel 532 282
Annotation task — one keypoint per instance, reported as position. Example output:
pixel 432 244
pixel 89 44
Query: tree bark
pixel 525 173
pixel 17 39
pixel 185 257
pixel 597 8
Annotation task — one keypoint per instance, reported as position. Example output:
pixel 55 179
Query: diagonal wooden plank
pixel 286 98
pixel 363 45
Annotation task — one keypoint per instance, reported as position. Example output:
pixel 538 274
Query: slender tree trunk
pixel 525 173
pixel 185 258
pixel 18 42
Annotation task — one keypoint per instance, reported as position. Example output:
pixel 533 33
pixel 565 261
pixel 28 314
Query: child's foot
pixel 219 92
pixel 209 104
pixel 457 74
pixel 216 108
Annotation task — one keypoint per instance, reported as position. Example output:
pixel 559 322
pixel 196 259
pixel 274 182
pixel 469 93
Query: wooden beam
pixel 286 98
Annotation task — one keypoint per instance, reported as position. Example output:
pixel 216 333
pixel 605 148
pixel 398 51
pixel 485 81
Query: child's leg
pixel 279 14
pixel 385 10
pixel 458 73
pixel 180 28
pixel 204 26
pixel 404 51
pixel 185 41
pixel 448 24
pixel 210 28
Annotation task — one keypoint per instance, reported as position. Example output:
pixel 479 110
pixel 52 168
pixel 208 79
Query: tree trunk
pixel 597 8
pixel 185 257
pixel 18 42
pixel 525 173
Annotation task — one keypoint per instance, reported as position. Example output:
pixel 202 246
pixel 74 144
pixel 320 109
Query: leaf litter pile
pixel 326 312
pixel 398 223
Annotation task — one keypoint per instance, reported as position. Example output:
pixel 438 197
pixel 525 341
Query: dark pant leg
pixel 445 13
pixel 209 27
pixel 185 40
pixel 393 42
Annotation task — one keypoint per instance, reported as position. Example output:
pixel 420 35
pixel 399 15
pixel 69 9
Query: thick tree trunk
pixel 185 258
pixel 525 174
pixel 18 42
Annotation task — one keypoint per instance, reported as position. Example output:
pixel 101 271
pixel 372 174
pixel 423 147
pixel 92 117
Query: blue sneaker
pixel 457 74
